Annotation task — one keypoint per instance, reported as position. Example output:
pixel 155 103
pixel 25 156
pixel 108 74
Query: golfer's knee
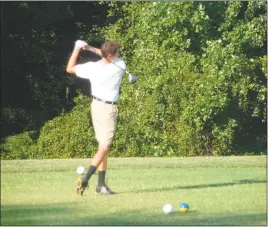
pixel 104 148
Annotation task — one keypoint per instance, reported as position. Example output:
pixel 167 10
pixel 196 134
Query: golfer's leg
pixel 103 165
pixel 102 172
pixel 97 160
pixel 100 155
pixel 108 135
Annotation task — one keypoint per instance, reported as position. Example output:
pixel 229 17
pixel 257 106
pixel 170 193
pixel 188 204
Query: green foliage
pixel 37 40
pixel 69 135
pixel 202 84
pixel 12 117
pixel 21 146
pixel 202 71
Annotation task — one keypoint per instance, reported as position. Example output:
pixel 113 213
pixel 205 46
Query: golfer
pixel 105 80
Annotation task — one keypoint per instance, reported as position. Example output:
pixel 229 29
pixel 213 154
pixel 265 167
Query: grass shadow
pixel 70 214
pixel 238 182
pixel 139 218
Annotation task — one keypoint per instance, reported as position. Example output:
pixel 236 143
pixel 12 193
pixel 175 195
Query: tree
pixel 202 75
pixel 36 41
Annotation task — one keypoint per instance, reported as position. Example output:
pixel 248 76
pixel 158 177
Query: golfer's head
pixel 110 50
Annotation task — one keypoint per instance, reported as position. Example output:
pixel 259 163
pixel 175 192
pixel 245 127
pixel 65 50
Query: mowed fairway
pixel 219 191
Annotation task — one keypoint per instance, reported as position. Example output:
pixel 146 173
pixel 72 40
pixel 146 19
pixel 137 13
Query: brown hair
pixel 109 47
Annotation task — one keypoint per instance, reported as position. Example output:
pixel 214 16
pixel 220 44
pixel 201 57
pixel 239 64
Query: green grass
pixel 219 190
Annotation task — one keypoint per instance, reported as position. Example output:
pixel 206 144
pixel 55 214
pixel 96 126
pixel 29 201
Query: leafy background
pixel 202 71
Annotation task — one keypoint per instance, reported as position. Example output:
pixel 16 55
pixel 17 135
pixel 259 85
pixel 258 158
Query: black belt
pixel 108 102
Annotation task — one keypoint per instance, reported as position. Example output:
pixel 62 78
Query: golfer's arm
pixel 98 51
pixel 94 50
pixel 72 62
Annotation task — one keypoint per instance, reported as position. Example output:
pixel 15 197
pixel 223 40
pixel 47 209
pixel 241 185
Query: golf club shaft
pixel 92 49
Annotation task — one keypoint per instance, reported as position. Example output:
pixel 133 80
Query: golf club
pixel 131 77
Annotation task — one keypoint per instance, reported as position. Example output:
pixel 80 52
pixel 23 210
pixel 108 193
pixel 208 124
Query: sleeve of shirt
pixel 83 70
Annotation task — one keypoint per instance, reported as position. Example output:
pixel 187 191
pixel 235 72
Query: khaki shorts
pixel 104 118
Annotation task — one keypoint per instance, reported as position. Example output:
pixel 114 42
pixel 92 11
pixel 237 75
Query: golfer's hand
pixel 79 44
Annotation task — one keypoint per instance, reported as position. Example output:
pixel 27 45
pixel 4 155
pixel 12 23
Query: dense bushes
pixel 69 135
pixel 21 146
pixel 201 89
pixel 202 76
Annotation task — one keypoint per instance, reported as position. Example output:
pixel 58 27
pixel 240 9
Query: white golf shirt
pixel 105 79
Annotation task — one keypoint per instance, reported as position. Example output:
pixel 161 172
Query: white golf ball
pixel 168 209
pixel 80 170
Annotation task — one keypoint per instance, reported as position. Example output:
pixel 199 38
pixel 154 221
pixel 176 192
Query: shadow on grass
pixel 72 214
pixel 239 182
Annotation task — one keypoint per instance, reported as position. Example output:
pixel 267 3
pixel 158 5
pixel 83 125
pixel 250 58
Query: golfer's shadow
pixel 237 182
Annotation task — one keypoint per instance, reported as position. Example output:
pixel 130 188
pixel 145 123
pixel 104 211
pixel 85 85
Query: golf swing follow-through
pixel 105 77
pixel 131 77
